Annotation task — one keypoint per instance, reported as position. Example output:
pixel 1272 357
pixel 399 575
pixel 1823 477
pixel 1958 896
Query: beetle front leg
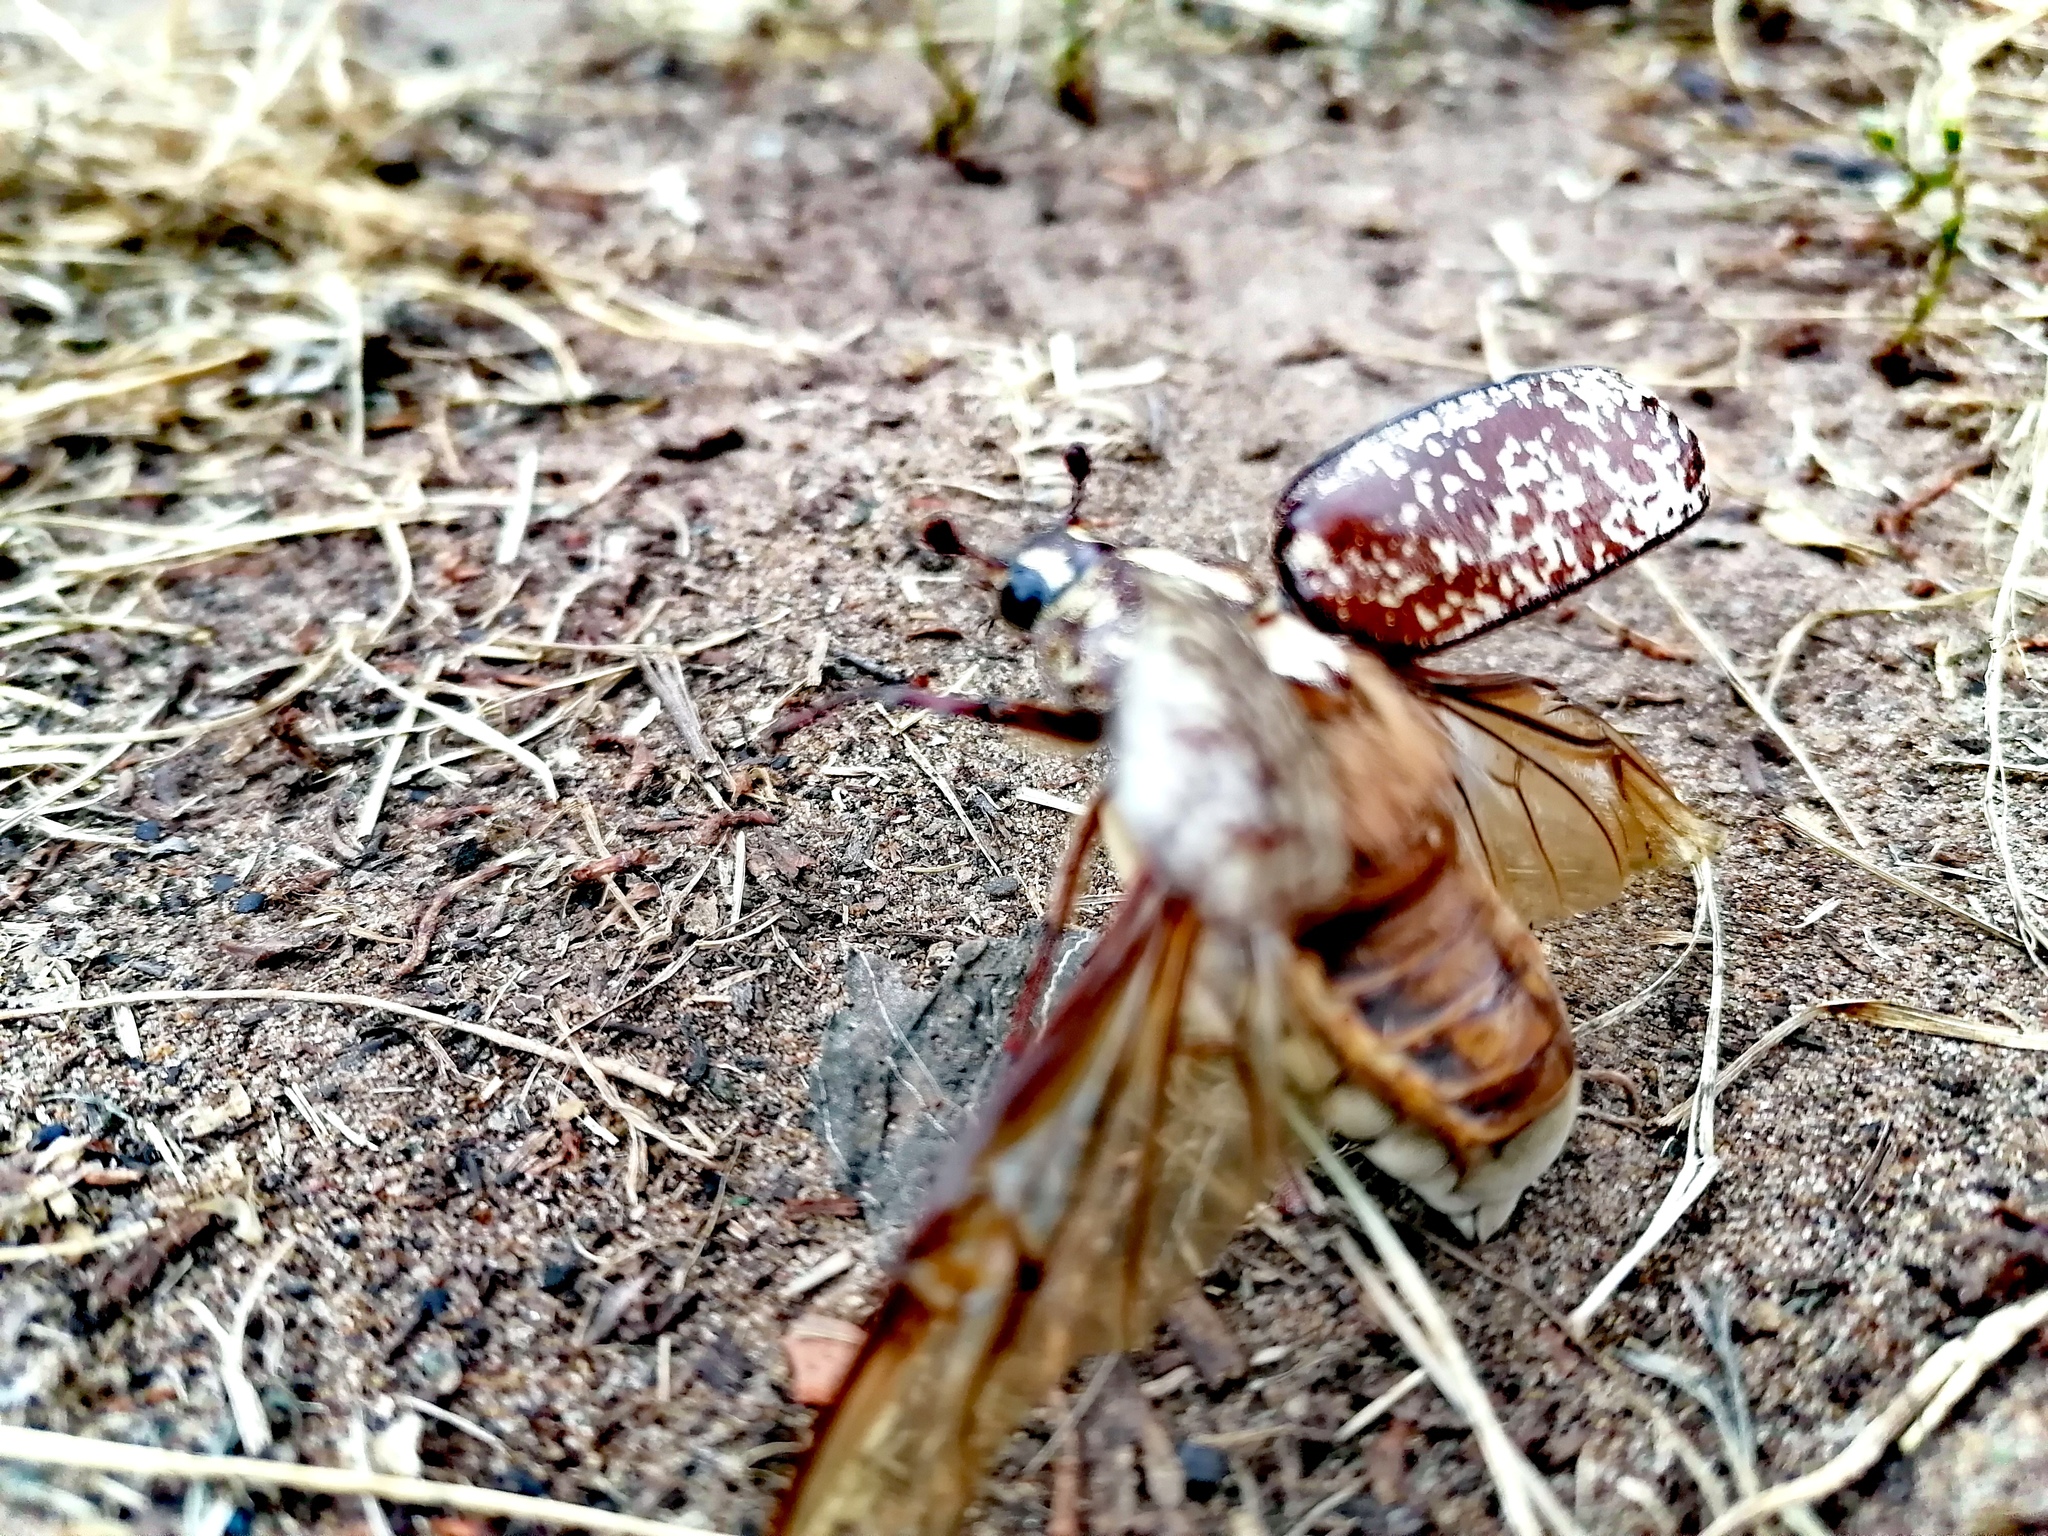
pixel 1076 727
pixel 1059 906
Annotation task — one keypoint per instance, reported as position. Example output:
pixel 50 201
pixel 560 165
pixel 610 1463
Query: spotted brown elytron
pixel 1330 857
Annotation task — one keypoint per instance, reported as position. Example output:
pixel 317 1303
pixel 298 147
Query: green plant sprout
pixel 958 111
pixel 1073 70
pixel 1920 185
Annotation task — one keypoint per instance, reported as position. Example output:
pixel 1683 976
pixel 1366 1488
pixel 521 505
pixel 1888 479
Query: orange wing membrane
pixel 1123 1152
pixel 1554 803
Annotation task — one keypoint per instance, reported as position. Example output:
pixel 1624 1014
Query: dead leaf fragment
pixel 119 1279
pixel 1797 524
pixel 205 1119
pixel 821 1350
pixel 1211 1347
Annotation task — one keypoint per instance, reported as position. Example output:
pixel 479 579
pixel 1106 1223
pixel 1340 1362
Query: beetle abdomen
pixel 1471 511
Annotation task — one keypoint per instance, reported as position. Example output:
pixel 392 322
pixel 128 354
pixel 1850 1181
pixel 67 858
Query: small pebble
pixel 148 831
pixel 1204 1467
pixel 249 901
pixel 222 884
pixel 557 1279
pixel 1001 885
pixel 434 1302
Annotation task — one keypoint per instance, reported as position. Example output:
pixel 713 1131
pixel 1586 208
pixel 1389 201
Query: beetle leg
pixel 1059 906
pixel 1079 727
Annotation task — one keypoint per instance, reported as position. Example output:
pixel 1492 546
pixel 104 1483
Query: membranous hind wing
pixel 1552 800
pixel 1120 1154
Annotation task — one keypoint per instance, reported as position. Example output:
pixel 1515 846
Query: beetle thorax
pixel 1216 784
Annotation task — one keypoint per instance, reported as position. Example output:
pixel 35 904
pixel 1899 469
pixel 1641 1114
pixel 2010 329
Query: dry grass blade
pixel 252 1421
pixel 79 1247
pixel 945 789
pixel 1712 644
pixel 1641 999
pixel 462 724
pixel 1380 1406
pixel 1724 1394
pixel 1920 1408
pixel 1412 1309
pixel 639 1077
pixel 1770 1040
pixel 1794 639
pixel 1701 1163
pixel 46 1448
pixel 2005 640
pixel 1807 825
pixel 664 674
pixel 93 768
pixel 1920 1021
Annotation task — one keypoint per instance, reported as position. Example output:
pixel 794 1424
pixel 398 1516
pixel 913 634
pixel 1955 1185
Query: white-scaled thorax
pixel 1215 785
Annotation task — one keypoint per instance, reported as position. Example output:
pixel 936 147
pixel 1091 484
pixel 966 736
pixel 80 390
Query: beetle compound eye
pixel 1023 595
pixel 1474 510
pixel 1045 567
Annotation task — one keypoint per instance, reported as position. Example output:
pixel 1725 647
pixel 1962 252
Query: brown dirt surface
pixel 477 1230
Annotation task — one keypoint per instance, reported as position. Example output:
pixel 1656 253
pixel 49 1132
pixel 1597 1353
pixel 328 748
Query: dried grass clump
pixel 195 240
pixel 1170 55
pixel 216 245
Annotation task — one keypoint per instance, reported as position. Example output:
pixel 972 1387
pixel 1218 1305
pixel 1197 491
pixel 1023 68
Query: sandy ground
pixel 466 1231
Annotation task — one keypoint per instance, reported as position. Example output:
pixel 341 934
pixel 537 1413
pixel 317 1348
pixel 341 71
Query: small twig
pixel 607 866
pixel 1633 639
pixel 639 1077
pixel 46 1448
pixel 636 1122
pixel 667 972
pixel 1896 521
pixel 430 915
pixel 1711 644
pixel 34 864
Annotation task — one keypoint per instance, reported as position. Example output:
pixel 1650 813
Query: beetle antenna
pixel 942 538
pixel 1078 465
